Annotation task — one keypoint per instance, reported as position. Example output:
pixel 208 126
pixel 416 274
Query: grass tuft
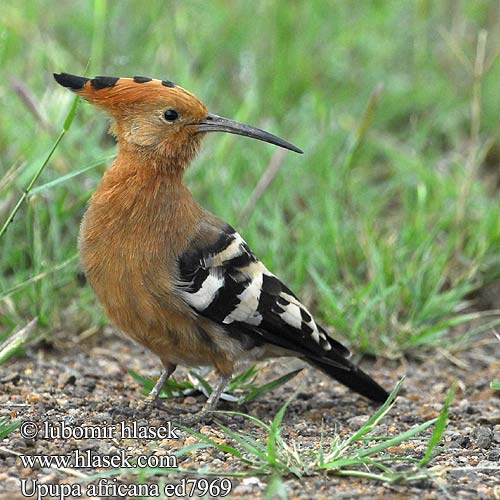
pixel 265 452
pixel 363 454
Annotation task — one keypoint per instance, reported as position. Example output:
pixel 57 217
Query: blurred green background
pixel 385 226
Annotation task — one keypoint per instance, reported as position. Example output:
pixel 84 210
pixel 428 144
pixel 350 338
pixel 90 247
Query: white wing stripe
pixel 318 337
pixel 206 294
pixel 246 310
pixel 291 315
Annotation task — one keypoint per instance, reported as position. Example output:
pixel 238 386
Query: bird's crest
pixel 115 93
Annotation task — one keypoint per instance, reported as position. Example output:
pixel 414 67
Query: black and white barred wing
pixel 228 284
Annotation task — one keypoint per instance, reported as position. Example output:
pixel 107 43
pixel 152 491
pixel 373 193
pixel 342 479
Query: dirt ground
pixel 85 382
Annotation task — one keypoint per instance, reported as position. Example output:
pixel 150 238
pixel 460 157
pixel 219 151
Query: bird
pixel 171 275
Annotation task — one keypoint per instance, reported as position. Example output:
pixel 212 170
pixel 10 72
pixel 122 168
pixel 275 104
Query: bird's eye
pixel 170 115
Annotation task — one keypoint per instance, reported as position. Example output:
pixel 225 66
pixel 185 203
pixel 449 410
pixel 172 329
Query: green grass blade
pixel 270 386
pixel 6 427
pixel 14 343
pixel 242 379
pixel 250 445
pixel 71 175
pixel 364 124
pixel 397 439
pixel 274 438
pixel 67 124
pixel 440 328
pixel 203 382
pixel 373 450
pixel 439 428
pixel 376 417
pixel 99 34
pixel 71 115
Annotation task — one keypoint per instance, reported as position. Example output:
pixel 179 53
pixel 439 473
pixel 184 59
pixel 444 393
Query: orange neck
pixel 143 201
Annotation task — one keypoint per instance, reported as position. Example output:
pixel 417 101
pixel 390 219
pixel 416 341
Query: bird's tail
pixel 354 378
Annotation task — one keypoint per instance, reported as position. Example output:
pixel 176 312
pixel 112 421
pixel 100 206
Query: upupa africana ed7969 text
pixel 171 275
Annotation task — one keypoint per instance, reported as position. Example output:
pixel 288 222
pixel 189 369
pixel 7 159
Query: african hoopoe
pixel 171 275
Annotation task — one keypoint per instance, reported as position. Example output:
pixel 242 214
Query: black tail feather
pixel 354 378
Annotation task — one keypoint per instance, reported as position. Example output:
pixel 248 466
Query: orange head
pixel 156 117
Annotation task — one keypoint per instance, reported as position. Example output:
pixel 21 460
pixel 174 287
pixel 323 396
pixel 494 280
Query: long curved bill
pixel 215 123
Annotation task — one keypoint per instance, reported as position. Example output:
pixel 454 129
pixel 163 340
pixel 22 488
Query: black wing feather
pixel 226 283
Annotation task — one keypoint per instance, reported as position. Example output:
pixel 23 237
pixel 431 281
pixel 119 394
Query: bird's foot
pixel 169 407
pixel 207 414
pixel 203 417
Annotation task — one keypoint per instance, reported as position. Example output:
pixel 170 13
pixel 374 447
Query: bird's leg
pixel 153 396
pixel 165 374
pixel 210 405
pixel 212 401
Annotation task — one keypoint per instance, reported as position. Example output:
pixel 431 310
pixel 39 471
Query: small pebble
pixel 248 486
pixel 484 437
pixel 355 423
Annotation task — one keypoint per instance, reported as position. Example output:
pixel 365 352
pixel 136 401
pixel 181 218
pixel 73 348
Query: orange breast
pixel 135 226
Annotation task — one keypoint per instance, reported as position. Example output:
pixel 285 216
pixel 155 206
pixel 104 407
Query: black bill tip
pixel 215 123
pixel 72 82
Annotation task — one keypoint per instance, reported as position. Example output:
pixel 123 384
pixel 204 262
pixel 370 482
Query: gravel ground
pixel 86 382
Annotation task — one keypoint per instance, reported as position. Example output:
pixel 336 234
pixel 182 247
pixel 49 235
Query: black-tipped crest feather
pixel 72 82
